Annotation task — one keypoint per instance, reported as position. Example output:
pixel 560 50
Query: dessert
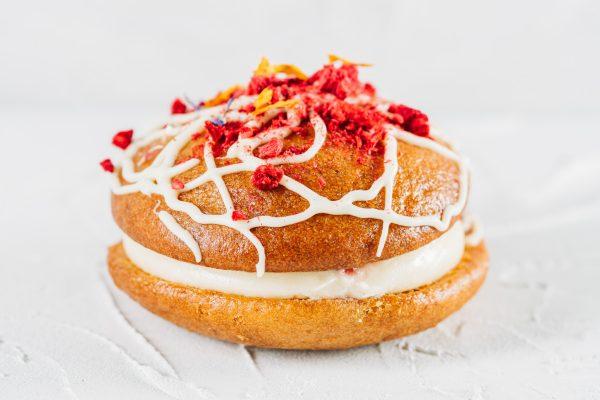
pixel 295 212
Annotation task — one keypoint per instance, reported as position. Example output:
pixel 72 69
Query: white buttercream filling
pixel 407 271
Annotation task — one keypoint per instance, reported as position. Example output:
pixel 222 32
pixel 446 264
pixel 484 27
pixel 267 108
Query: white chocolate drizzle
pixel 179 129
pixel 172 225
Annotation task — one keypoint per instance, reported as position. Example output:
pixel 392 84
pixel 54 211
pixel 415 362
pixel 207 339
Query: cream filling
pixel 407 271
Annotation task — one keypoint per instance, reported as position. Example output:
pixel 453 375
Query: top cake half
pixel 288 173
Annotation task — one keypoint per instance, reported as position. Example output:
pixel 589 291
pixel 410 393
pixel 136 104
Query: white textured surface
pixel 532 332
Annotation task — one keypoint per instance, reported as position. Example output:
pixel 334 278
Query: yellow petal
pixel 263 99
pixel 221 97
pixel 333 58
pixel 280 104
pixel 264 68
pixel 291 69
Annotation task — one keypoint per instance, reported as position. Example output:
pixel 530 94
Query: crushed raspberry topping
pixel 413 121
pixel 267 177
pixel 350 109
pixel 341 82
pixel 354 124
pixel 223 135
pixel 107 165
pixel 177 184
pixel 271 149
pixel 282 88
pixel 123 139
pixel 265 68
pixel 293 150
pixel 238 216
pixel 178 107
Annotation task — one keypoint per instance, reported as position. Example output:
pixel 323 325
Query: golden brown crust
pixel 301 323
pixel 425 184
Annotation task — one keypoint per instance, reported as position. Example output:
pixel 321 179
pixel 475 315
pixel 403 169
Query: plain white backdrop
pixel 445 56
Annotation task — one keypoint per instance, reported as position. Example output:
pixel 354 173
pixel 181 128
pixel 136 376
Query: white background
pixel 515 83
pixel 460 56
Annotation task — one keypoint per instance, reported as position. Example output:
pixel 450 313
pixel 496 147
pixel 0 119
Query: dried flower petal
pixel 333 58
pixel 264 68
pixel 222 97
pixel 263 99
pixel 280 104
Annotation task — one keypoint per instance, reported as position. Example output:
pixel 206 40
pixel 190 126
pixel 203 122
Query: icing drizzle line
pixel 156 178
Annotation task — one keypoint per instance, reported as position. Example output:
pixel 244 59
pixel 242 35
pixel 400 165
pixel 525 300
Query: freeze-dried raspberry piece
pixel 267 177
pixel 413 121
pixel 107 165
pixel 123 139
pixel 178 107
pixel 271 149
pixel 238 216
pixel 224 135
pixel 177 184
pixel 339 81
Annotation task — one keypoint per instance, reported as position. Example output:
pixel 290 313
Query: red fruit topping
pixel 107 165
pixel 350 271
pixel 178 107
pixel 246 133
pixel 238 216
pixel 342 81
pixel 354 124
pixel 370 90
pixel 224 135
pixel 247 108
pixel 413 121
pixel 271 149
pixel 277 122
pixel 177 184
pixel 267 177
pixel 123 139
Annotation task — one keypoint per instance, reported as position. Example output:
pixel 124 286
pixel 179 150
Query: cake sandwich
pixel 295 211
